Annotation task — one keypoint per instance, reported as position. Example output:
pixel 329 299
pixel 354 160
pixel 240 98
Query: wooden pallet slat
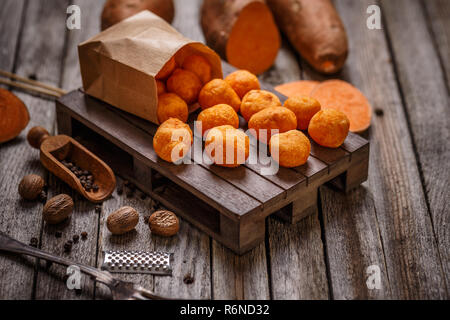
pixel 238 199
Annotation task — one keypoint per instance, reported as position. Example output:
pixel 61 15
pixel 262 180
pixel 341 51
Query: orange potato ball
pixel 290 149
pixel 227 146
pixel 272 118
pixel 198 65
pixel 172 140
pixel 171 106
pixel 167 69
pixel 217 91
pixel 242 81
pixel 256 100
pixel 304 108
pixel 219 115
pixel 329 128
pixel 160 87
pixel 186 84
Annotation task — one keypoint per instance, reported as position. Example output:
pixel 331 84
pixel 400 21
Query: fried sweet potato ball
pixel 271 118
pixel 242 81
pixel 219 115
pixel 329 128
pixel 167 69
pixel 256 100
pixel 290 149
pixel 184 83
pixel 304 108
pixel 227 146
pixel 218 91
pixel 160 87
pixel 171 106
pixel 198 65
pixel 172 140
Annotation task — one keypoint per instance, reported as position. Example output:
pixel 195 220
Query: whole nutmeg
pixel 164 223
pixel 31 186
pixel 57 209
pixel 36 136
pixel 122 220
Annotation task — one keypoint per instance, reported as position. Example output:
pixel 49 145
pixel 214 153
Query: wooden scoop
pixel 54 149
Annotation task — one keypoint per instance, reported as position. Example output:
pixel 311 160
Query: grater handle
pixel 11 245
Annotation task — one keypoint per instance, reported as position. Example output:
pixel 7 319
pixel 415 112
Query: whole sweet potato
pixel 115 11
pixel 316 31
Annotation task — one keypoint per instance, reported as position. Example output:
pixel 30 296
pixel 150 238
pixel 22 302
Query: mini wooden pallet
pixel 229 204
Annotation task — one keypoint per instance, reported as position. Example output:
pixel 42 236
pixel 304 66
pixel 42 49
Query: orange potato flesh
pixel 342 96
pixel 254 40
pixel 302 88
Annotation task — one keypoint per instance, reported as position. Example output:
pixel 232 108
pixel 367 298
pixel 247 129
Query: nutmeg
pixel 164 223
pixel 57 209
pixel 31 186
pixel 122 220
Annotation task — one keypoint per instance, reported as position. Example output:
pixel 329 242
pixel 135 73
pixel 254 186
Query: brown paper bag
pixel 119 64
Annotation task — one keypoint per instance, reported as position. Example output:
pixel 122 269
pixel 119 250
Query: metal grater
pixel 153 262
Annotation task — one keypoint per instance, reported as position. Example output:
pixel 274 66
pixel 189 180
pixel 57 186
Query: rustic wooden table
pixel 398 220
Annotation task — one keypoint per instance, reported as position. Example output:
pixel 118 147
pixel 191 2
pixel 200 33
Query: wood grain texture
pixel 438 13
pixel 410 253
pixel 40 56
pixel 50 284
pixel 426 99
pixel 296 251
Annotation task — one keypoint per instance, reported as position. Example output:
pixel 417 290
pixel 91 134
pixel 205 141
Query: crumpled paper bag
pixel 119 64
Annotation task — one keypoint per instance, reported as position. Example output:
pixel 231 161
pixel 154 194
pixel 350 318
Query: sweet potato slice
pixel 115 11
pixel 297 88
pixel 14 116
pixel 316 31
pixel 342 96
pixel 243 32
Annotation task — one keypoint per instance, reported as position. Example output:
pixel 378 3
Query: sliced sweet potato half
pixel 342 96
pixel 297 88
pixel 243 32
pixel 14 115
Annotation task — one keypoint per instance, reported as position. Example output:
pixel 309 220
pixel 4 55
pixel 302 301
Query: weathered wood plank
pixel 40 56
pixel 407 251
pixel 438 17
pixel 84 218
pixel 426 99
pixel 295 251
pixel 187 22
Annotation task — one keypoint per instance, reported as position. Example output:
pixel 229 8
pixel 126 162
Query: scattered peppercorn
pixel 84 176
pixel 34 242
pixel 67 247
pixel 188 279
pixel 379 112
pixel 75 238
pixel 84 235
pixel 119 189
